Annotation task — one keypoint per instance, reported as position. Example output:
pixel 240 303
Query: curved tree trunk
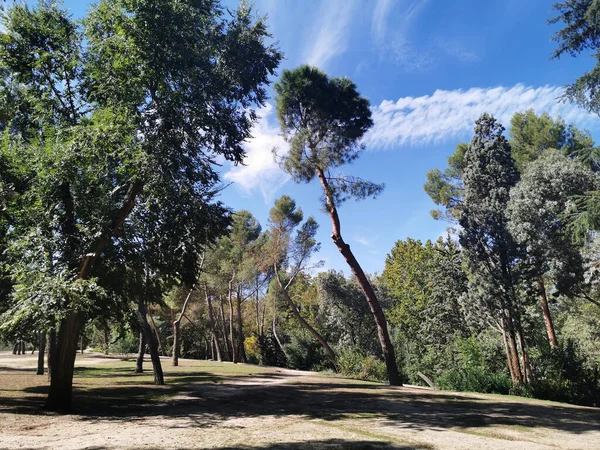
pixel 155 329
pixel 387 348
pixel 546 312
pixel 304 323
pixel 41 351
pixel 177 330
pixel 512 352
pixel 277 338
pixel 159 378
pixel 139 362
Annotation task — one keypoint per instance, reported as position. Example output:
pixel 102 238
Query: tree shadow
pixel 207 400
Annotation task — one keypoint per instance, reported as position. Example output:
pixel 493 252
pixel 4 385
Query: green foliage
pixel 323 120
pixel 270 353
pixel 304 352
pixel 353 362
pixel 580 33
pixel 563 375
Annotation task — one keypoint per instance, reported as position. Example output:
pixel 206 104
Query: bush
pixel 304 352
pixel 252 349
pixel 269 352
pixel 563 375
pixel 126 345
pixel 353 363
pixel 475 379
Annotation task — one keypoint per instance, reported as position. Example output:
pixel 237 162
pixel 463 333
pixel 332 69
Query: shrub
pixel 353 363
pixel 474 379
pixel 304 352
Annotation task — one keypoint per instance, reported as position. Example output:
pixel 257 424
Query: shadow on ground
pixel 207 400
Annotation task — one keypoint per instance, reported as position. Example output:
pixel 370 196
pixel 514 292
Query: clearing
pixel 207 404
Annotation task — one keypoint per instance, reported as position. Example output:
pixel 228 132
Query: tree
pixel 535 210
pixel 162 89
pixel 292 253
pixel 581 33
pixel 489 250
pixel 324 120
pixel 530 136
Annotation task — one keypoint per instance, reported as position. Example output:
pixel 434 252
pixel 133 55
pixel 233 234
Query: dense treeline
pixel 112 236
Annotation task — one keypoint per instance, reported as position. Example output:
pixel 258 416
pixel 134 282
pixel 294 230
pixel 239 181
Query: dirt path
pixel 222 406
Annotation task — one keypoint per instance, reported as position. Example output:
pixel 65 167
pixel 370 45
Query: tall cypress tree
pixel 490 252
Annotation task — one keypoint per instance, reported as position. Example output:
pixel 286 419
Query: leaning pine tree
pixel 324 120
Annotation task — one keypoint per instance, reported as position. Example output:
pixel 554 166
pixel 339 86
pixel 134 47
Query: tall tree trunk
pixel 513 353
pixel 82 341
pixel 16 347
pixel 257 308
pixel 546 312
pixel 159 378
pixel 527 372
pixel 177 330
pixel 51 350
pixel 61 375
pixel 63 363
pixel 227 348
pixel 300 319
pixel 211 321
pixel 382 330
pixel 139 362
pixel 155 329
pixel 231 326
pixel 105 343
pixel 242 350
pixel 41 351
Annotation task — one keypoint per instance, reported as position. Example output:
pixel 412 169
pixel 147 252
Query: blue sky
pixel 429 68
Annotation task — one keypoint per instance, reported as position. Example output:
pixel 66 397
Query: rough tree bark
pixel 139 362
pixel 304 323
pixel 41 351
pixel 227 348
pixel 387 348
pixel 546 312
pixel 177 330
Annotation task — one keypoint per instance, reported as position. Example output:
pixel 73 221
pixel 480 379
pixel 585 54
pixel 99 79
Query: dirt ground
pixel 223 406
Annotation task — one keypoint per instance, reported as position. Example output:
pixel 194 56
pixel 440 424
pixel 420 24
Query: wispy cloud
pixel 429 119
pixel 362 240
pixel 394 42
pixel 447 115
pixel 332 30
pixel 379 20
pixel 260 171
pixel 457 50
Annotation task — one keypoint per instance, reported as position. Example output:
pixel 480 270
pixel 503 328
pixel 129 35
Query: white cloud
pixel 260 171
pixel 448 115
pixel 332 30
